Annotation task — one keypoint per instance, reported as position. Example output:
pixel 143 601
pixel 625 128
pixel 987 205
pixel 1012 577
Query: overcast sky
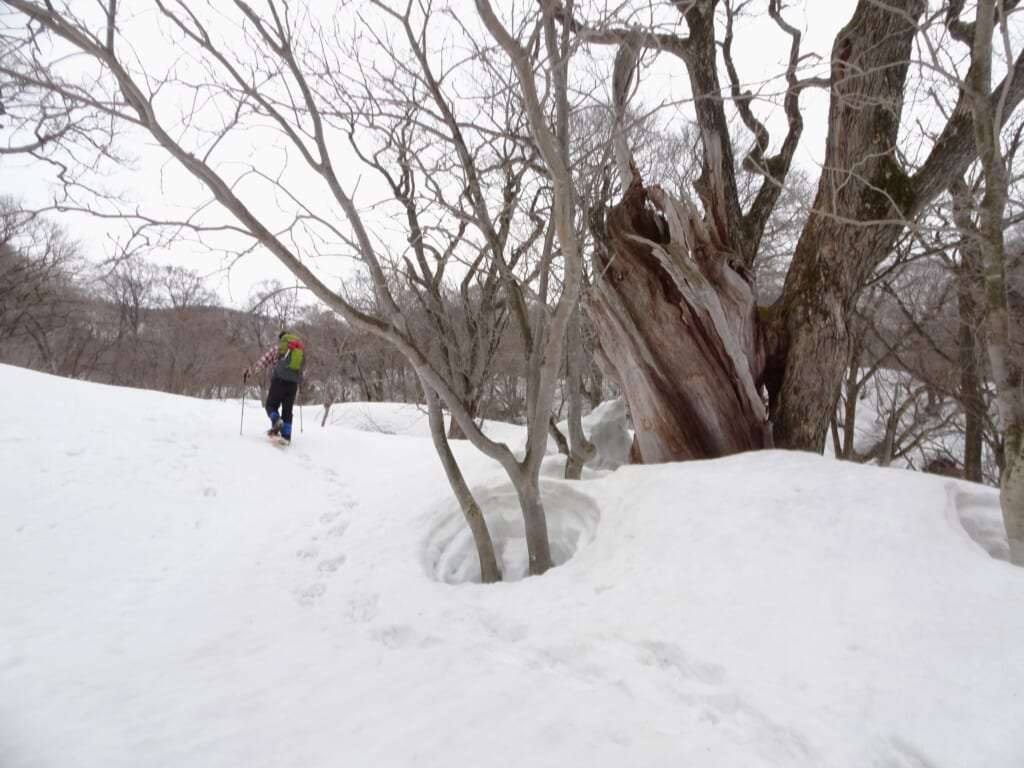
pixel 760 49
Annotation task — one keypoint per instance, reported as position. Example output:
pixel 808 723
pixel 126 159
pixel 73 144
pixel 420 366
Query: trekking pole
pixel 245 379
pixel 302 427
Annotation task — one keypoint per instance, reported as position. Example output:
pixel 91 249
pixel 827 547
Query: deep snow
pixel 173 593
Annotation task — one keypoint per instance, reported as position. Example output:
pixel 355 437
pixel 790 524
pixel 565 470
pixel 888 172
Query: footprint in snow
pixel 337 531
pixel 332 561
pixel 309 595
pixel 394 636
pixel 331 564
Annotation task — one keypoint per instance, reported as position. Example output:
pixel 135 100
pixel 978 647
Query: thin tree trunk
pixel 535 522
pixel 581 450
pixel 1006 356
pixel 850 412
pixel 561 443
pixel 1011 497
pixel 489 571
pixel 970 284
pixel 971 374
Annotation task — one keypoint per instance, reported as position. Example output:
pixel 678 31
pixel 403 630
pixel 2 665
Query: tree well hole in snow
pixel 450 554
pixel 981 518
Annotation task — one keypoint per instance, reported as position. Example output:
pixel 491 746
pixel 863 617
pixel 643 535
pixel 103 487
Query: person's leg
pixel 275 399
pixel 289 389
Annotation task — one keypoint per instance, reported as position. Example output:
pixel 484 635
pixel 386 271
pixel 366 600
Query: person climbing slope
pixel 288 358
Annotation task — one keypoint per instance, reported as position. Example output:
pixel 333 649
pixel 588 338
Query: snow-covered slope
pixel 173 593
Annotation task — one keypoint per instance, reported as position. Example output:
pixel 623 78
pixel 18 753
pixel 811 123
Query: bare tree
pixel 130 286
pixel 675 278
pixel 184 329
pixel 45 315
pixel 270 71
pixel 330 377
pixel 1005 347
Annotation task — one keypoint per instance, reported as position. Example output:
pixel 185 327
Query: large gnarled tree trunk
pixel 660 335
pixel 678 332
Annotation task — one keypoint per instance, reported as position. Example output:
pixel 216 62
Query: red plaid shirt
pixel 269 358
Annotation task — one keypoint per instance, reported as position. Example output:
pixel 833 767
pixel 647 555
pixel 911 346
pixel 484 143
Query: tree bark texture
pixel 970 286
pixel 580 449
pixel 678 331
pixel 1011 498
pixel 489 571
pixel 535 523
pixel 850 410
pixel 1006 353
pixel 971 377
pixel 857 215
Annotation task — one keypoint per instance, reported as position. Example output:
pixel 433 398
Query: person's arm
pixel 268 359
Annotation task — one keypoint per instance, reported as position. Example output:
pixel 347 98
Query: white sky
pixel 178 595
pixel 158 183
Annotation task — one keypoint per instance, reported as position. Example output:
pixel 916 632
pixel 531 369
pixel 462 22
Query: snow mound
pixel 605 427
pixel 186 596
pixel 450 554
pixel 385 418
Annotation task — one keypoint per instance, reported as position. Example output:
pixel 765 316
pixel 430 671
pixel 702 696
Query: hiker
pixel 289 359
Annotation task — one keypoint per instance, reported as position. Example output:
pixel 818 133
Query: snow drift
pixel 177 594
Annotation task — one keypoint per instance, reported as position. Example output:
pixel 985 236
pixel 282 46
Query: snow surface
pixel 173 593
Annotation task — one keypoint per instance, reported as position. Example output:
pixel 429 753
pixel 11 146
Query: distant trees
pixel 169 332
pixel 129 323
pixel 47 319
pixel 134 323
pixel 904 367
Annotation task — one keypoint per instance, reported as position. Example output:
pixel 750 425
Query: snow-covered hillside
pixel 174 594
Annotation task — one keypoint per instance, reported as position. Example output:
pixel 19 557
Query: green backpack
pixel 291 348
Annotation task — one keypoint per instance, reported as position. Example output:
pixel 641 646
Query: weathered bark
pixel 673 303
pixel 857 215
pixel 678 331
pixel 716 186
